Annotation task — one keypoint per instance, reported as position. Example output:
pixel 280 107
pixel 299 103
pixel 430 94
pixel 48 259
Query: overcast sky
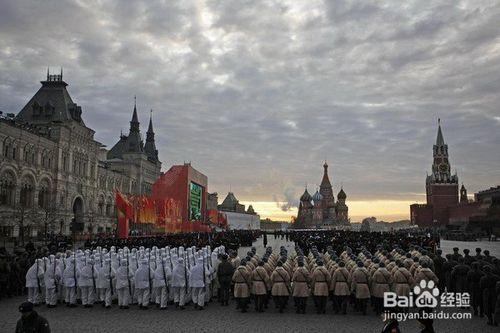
pixel 257 94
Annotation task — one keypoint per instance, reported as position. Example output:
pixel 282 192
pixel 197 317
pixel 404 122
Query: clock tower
pixel 441 185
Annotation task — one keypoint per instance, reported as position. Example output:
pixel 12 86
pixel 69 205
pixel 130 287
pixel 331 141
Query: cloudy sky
pixel 257 94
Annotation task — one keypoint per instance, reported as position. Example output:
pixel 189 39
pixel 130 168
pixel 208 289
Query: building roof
pixel 306 196
pixel 51 103
pixel 250 210
pixel 341 195
pixel 317 197
pixel 230 201
pixel 131 143
pixel 116 152
pixel 325 182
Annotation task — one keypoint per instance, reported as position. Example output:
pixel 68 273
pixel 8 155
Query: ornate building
pixel 320 210
pixel 444 206
pixel 53 172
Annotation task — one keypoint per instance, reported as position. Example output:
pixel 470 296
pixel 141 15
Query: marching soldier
pixel 319 283
pixel 86 277
pixel 33 281
pixel 143 278
pixel 105 276
pixel 300 282
pixel 260 283
pixel 180 276
pixel 225 271
pixel 160 283
pixel 241 279
pixel 360 286
pixel 381 282
pixel 341 280
pixel 52 279
pixel 280 280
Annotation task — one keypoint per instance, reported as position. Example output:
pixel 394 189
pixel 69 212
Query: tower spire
pixel 439 139
pixel 150 127
pixel 150 146
pixel 134 123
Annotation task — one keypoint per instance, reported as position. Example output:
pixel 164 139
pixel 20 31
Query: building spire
pixel 150 146
pixel 134 123
pixel 150 127
pixel 439 139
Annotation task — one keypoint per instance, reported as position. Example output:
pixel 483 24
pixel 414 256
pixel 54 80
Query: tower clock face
pixel 443 167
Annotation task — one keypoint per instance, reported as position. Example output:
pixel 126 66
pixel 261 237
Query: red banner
pixel 146 216
pixel 124 209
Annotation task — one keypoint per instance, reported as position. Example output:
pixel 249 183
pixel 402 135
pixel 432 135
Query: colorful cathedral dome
pixel 341 195
pixel 306 196
pixel 317 197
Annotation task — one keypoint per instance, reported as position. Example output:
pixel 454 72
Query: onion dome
pixel 341 195
pixel 306 196
pixel 317 197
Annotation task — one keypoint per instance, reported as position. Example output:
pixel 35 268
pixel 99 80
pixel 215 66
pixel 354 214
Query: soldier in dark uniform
pixel 225 273
pixel 478 255
pixel 487 256
pixel 473 278
pixel 447 269
pixel 455 254
pixel 4 277
pixel 488 284
pixel 459 276
pixel 438 268
pixel 31 321
pixel 468 260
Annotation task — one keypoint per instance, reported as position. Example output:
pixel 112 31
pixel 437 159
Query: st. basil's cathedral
pixel 320 210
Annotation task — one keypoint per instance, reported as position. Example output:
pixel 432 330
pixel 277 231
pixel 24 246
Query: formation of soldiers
pixel 351 278
pixel 131 276
pixel 345 279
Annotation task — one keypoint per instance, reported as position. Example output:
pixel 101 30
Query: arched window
pixel 44 195
pixel 7 189
pixel 27 192
pixel 100 205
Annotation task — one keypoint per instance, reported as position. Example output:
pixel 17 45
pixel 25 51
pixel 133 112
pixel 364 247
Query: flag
pixel 124 209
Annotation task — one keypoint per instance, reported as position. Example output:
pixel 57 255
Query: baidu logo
pixel 424 295
pixel 427 294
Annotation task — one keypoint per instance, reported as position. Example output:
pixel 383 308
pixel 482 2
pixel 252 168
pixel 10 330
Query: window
pixel 7 190
pixel 43 198
pixel 26 197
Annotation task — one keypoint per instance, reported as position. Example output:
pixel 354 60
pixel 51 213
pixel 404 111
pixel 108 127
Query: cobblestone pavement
pixel 215 319
pixel 222 319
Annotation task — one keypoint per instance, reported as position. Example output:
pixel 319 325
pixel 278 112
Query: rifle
pixel 55 280
pixel 204 282
pixel 164 275
pixel 74 271
pixel 110 280
pixel 149 274
pixel 128 279
pixel 37 278
pixel 185 279
pixel 93 277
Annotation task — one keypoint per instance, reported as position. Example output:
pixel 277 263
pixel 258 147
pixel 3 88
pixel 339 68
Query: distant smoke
pixel 289 201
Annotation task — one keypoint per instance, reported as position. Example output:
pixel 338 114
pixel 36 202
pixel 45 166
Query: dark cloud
pixel 258 93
